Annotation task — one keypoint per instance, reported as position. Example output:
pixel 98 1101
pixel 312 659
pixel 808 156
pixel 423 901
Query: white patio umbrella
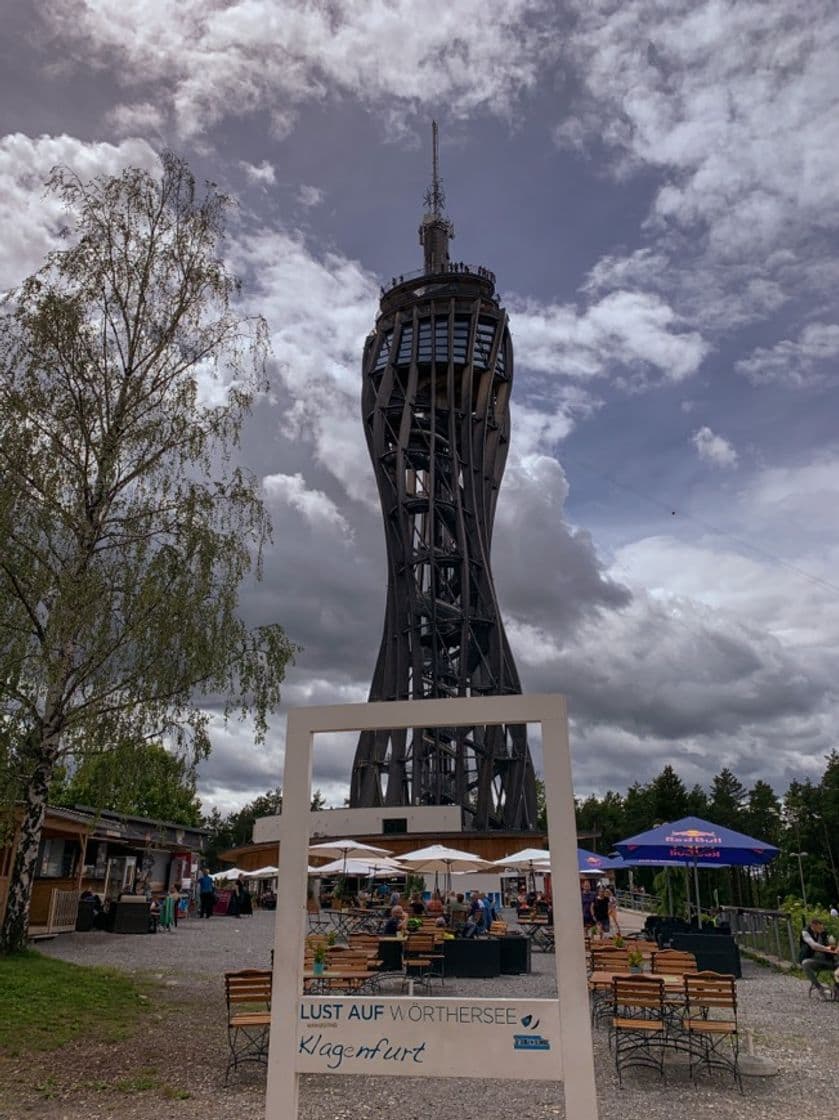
pixel 529 861
pixel 263 873
pixel 374 867
pixel 230 873
pixel 437 858
pixel 346 849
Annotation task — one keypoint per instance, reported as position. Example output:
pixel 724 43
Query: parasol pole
pixel 696 884
pixel 669 890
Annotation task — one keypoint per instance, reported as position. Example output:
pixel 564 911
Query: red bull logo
pixel 693 837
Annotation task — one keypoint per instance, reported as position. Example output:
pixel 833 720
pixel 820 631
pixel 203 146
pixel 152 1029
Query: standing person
pixel 175 896
pixel 587 898
pixel 167 913
pixel 206 893
pixel 600 910
pixel 244 897
pixel 613 912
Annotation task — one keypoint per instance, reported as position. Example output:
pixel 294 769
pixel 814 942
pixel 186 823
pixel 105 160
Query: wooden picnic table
pixel 672 982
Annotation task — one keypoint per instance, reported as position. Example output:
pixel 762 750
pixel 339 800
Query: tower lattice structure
pixel 437 376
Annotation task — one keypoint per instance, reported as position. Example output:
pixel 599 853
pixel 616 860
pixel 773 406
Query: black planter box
pixel 131 917
pixel 515 955
pixel 473 957
pixel 713 952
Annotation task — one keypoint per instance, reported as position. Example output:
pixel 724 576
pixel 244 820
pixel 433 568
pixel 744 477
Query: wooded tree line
pixel 805 818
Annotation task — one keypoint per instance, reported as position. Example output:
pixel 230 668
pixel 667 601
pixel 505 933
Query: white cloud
pixel 637 331
pixel 315 505
pixel 808 360
pixel 136 119
pixel 310 196
pixel 736 108
pixel 319 310
pixel 260 173
pixel 209 62
pixel 714 449
pixel 30 221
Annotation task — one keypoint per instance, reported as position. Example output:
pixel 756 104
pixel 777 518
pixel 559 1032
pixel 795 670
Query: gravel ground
pixel 181 1048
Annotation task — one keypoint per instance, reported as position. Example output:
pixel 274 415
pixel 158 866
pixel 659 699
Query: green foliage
pixel 144 780
pixel 795 908
pixel 45 1003
pixel 805 820
pixel 414 884
pixel 236 829
pixel 127 530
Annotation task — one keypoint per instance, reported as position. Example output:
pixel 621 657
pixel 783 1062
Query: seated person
pixel 417 906
pixel 816 955
pixel 457 910
pixel 395 923
pixel 435 904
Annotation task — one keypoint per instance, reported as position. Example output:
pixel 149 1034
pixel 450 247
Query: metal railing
pixel 768 932
pixel 637 900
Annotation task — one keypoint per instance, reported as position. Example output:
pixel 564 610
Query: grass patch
pixel 46 1003
pixel 141 1082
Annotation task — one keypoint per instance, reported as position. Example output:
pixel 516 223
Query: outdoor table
pixel 323 983
pixel 673 985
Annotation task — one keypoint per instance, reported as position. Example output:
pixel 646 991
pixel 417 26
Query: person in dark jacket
pixel 816 955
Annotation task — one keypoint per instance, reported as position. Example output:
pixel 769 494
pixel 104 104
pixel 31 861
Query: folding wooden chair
pixel 248 996
pixel 673 962
pixel 423 959
pixel 711 1023
pixel 638 1026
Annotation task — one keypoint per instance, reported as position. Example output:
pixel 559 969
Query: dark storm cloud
pixel 672 288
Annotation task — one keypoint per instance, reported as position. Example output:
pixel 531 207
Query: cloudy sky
pixel 654 182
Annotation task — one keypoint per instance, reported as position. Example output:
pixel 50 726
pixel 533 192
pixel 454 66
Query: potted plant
pixel 331 937
pixel 635 961
pixel 413 924
pixel 619 942
pixel 319 959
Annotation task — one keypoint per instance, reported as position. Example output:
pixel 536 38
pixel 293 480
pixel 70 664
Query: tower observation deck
pixel 437 376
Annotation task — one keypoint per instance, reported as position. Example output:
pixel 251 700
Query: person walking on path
pixel 207 894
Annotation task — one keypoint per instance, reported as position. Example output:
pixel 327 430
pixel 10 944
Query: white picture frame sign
pixel 429 1036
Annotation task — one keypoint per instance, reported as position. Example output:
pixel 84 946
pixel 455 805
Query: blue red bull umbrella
pixel 590 863
pixel 692 840
pixel 697 843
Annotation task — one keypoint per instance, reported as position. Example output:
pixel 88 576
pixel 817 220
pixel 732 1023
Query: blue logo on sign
pixel 530 1042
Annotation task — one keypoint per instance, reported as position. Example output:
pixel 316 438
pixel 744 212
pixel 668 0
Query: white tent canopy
pixel 230 873
pixel 263 873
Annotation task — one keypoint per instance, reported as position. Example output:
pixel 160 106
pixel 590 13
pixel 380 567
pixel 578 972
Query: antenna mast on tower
pixel 436 230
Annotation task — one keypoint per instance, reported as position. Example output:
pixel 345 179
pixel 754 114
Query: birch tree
pixel 126 526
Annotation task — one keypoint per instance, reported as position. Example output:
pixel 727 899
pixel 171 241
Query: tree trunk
pixel 16 922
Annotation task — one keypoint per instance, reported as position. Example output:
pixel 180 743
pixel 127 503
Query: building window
pixel 58 858
pixel 391 825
